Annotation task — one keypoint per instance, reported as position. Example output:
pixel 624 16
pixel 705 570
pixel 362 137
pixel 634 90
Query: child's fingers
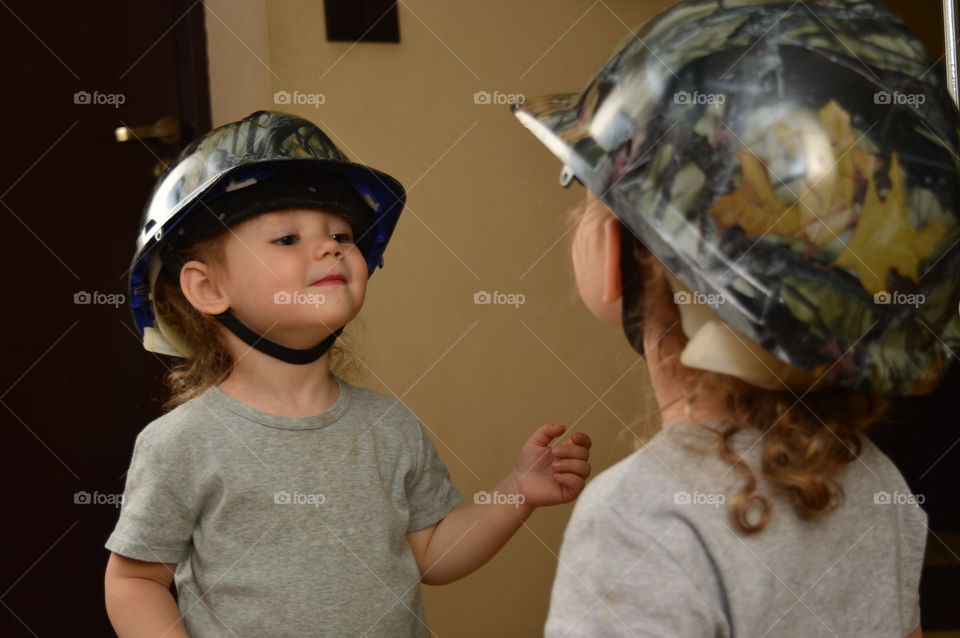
pixel 574 482
pixel 581 438
pixel 575 466
pixel 568 450
pixel 546 433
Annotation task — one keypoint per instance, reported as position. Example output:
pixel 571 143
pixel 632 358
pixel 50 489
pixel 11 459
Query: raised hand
pixel 554 475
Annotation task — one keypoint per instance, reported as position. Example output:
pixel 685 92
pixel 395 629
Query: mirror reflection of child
pixel 770 216
pixel 283 500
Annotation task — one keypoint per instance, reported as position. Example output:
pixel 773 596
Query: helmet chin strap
pixel 632 285
pixel 272 348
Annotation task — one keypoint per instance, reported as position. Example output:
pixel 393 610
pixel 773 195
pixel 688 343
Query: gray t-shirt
pixel 287 526
pixel 650 551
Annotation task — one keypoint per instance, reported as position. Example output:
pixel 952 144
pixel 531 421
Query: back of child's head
pixel 794 164
pixel 808 434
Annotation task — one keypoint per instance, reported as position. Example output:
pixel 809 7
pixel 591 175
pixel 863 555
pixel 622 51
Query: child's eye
pixel 343 238
pixel 286 240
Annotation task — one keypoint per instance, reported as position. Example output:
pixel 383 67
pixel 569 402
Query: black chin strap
pixel 632 284
pixel 275 350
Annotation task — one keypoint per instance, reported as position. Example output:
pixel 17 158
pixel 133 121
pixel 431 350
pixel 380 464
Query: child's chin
pixel 309 335
pixel 326 322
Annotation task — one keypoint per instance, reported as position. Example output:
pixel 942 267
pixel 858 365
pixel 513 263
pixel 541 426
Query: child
pixel 283 500
pixel 772 219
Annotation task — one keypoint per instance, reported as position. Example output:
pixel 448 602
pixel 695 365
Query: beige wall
pixel 484 214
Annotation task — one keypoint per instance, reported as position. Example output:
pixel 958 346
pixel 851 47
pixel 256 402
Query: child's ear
pixel 201 288
pixel 612 282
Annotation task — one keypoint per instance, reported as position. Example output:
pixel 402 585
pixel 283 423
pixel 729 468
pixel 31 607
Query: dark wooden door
pixel 76 385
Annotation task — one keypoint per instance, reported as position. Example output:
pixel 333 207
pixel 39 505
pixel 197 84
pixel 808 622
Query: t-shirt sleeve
pixel 156 523
pixel 616 581
pixel 430 492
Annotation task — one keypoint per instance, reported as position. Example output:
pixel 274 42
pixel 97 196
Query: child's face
pixel 296 273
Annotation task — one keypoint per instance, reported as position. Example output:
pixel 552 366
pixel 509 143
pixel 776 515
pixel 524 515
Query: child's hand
pixel 552 475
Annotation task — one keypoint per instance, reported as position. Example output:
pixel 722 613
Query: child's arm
pixel 138 598
pixel 471 534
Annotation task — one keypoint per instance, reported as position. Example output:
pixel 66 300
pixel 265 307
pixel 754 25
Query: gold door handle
pixel 165 130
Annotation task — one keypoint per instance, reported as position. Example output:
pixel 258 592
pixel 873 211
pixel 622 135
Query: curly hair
pixel 210 361
pixel 805 444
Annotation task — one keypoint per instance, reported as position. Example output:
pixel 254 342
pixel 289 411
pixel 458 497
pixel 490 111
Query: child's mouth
pixel 332 279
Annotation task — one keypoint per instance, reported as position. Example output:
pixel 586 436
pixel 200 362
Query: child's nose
pixel 327 246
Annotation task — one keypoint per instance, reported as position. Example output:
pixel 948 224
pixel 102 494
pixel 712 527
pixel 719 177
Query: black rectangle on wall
pixel 362 20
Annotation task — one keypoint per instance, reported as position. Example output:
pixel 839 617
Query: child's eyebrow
pixel 275 224
pixel 278 221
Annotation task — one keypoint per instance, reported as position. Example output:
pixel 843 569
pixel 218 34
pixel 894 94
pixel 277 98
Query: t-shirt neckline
pixel 220 398
pixel 744 439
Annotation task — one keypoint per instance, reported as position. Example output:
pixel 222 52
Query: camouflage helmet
pixel 798 162
pixel 224 176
